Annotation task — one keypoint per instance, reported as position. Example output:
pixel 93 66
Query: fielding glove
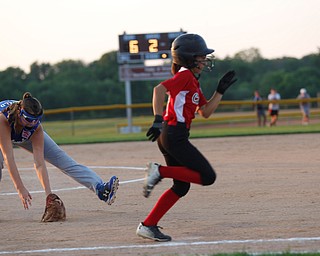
pixel 155 130
pixel 226 81
pixel 54 210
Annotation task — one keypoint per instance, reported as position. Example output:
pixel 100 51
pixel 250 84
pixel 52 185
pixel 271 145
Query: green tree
pixel 12 83
pixel 73 83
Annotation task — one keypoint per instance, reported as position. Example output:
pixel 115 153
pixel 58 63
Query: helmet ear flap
pixel 183 60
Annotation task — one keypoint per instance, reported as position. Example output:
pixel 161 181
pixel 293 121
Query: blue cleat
pixel 107 191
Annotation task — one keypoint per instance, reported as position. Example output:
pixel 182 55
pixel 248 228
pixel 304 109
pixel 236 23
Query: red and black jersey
pixel 185 96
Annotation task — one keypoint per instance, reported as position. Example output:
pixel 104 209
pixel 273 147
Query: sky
pixel 46 31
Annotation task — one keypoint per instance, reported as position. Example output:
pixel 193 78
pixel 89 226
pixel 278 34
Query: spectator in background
pixel 261 114
pixel 273 107
pixel 304 106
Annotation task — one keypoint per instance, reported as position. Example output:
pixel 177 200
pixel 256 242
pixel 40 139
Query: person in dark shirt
pixel 260 109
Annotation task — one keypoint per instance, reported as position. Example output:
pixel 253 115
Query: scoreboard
pixel 136 48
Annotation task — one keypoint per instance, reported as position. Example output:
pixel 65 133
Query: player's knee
pixel 209 178
pixel 181 189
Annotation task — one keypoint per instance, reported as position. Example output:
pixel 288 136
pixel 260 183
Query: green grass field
pixel 107 130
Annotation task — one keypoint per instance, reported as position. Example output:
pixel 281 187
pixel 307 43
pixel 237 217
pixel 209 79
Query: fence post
pixel 72 123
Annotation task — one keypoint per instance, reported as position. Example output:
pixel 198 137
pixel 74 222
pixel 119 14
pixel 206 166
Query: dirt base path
pixel 266 199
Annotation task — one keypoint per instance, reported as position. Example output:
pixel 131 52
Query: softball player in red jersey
pixel 185 163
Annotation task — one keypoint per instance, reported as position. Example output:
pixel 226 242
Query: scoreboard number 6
pixel 133 46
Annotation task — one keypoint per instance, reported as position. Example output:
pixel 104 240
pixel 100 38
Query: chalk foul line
pixel 170 244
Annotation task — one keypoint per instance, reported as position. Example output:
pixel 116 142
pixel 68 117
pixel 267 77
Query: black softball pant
pixel 178 151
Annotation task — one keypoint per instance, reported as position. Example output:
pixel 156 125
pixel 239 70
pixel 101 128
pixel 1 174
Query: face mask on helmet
pixel 208 63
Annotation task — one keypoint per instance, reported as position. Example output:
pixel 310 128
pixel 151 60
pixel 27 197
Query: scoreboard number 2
pixel 153 45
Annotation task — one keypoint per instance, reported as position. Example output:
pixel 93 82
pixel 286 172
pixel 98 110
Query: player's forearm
pixel 14 174
pixel 43 177
pixel 7 152
pixel 211 105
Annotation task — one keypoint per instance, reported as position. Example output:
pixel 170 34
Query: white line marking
pixel 170 244
pixel 80 187
pixel 91 167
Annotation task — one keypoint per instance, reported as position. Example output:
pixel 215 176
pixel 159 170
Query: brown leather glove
pixel 55 210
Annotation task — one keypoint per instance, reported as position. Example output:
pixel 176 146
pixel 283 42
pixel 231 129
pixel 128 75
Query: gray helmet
pixel 185 47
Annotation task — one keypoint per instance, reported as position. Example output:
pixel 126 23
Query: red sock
pixel 165 202
pixel 180 173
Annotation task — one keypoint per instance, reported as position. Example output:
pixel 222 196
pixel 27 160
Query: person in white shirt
pixel 274 107
pixel 304 106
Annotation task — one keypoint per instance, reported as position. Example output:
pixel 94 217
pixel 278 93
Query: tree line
pixel 72 83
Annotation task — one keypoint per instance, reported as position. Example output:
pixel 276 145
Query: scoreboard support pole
pixel 128 103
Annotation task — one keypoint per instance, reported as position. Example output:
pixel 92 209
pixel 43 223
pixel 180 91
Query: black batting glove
pixel 226 81
pixel 155 130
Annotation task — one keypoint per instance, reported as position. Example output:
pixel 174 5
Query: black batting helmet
pixel 185 47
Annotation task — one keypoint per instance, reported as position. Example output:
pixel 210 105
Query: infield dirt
pixel 266 199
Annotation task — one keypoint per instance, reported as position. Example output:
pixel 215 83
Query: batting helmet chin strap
pixel 197 76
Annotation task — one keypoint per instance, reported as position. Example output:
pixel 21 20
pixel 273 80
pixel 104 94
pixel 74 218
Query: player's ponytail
pixel 31 105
